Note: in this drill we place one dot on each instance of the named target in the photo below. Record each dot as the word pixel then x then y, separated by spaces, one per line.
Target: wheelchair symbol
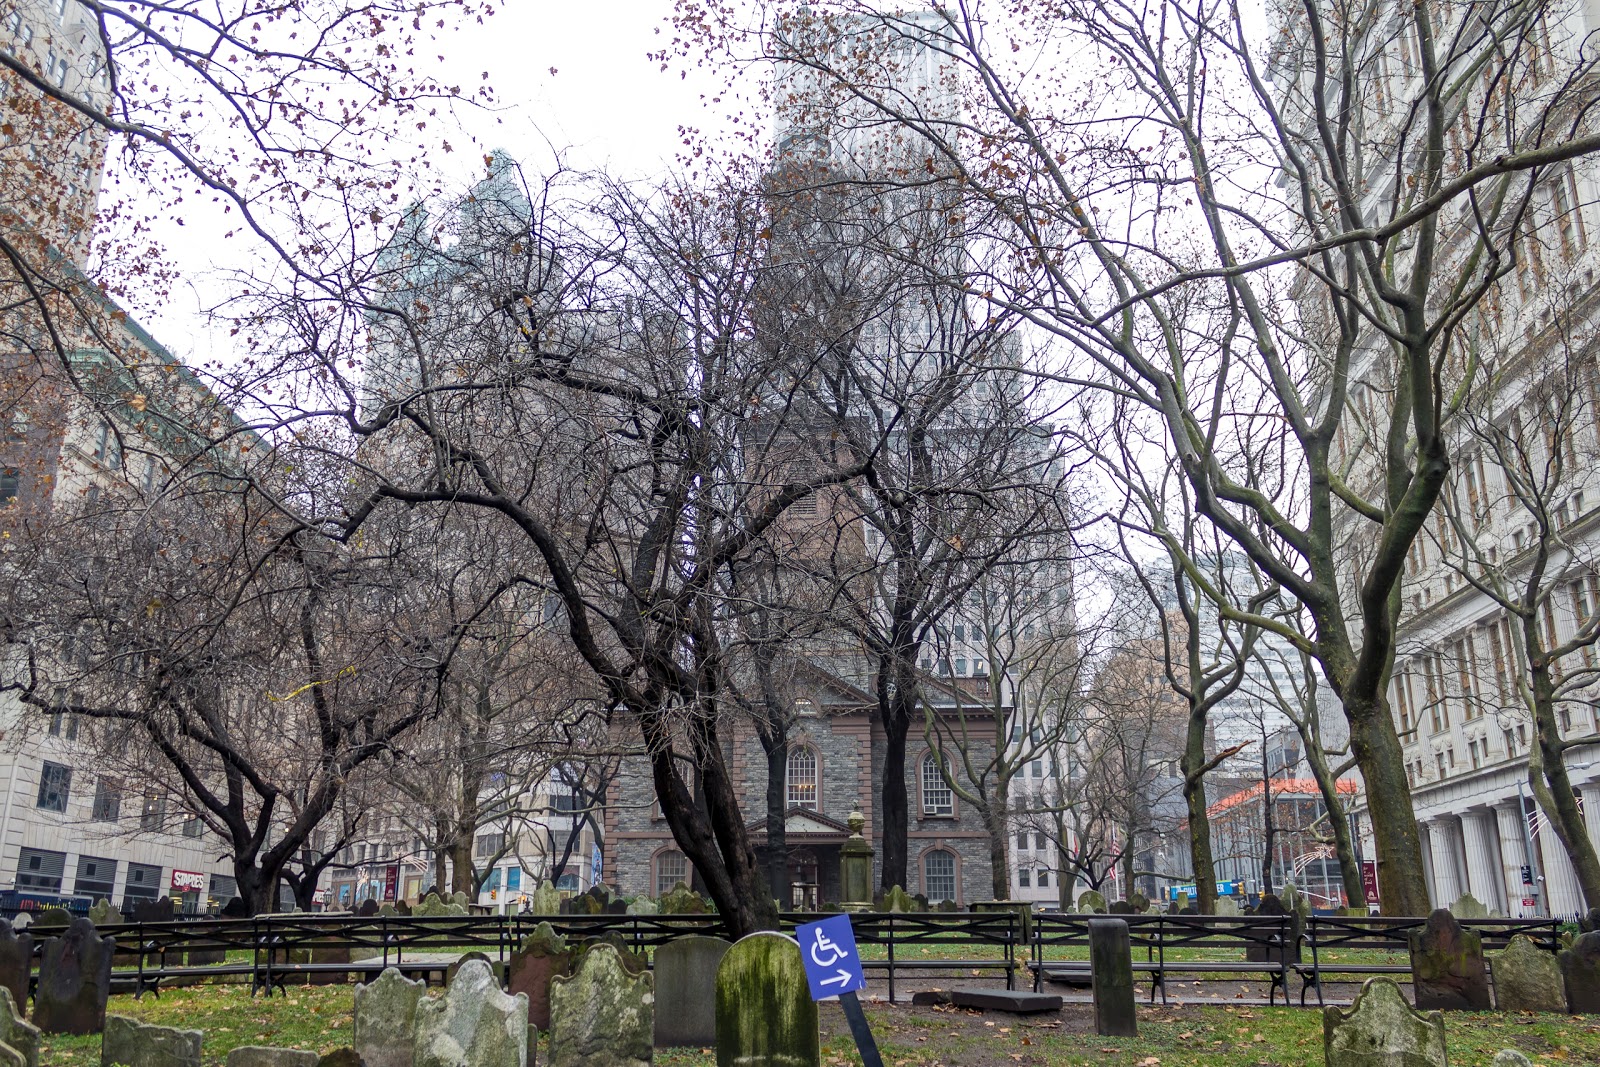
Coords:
pixel 835 954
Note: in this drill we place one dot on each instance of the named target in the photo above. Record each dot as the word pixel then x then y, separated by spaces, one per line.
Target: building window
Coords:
pixel 55 785
pixel 153 812
pixel 1022 879
pixel 939 875
pixel 144 881
pixel 17 426
pixel 107 800
pixel 40 871
pixel 489 844
pixel 192 826
pixel 97 877
pixel 802 778
pixel 10 479
pixel 937 798
pixel 805 708
pixel 672 867
pixel 1044 879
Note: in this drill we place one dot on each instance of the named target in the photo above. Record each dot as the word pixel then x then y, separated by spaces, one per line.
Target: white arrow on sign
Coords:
pixel 839 979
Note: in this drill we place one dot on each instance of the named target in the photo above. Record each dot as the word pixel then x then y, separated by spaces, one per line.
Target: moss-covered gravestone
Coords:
pixel 14 1031
pixel 1527 978
pixel 1447 969
pixel 603 1015
pixel 546 900
pixel 386 1019
pixel 1468 906
pixel 1381 1030
pixel 130 1043
pixel 1580 971
pixel 897 900
pixel 765 1014
pixel 16 960
pixel 682 901
pixel 473 1024
pixel 102 913
pixel 1090 901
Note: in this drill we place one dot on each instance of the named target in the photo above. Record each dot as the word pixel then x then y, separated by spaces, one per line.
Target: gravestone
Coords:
pixel 1119 907
pixel 682 901
pixel 1510 1057
pixel 546 900
pixel 74 981
pixel 1140 902
pixel 1227 906
pixel 16 1032
pixel 387 909
pixel 1527 978
pixel 10 1057
pixel 1580 972
pixel 432 907
pixel 542 956
pixel 1263 951
pixel 368 908
pixel 103 914
pixel 16 961
pixel 616 907
pixel 634 960
pixel 130 1043
pixel 157 910
pixel 603 1015
pixel 1447 970
pixel 1111 967
pixel 259 1056
pixel 473 1025
pixel 1381 1030
pixel 47 921
pixel 765 1014
pixel 898 900
pixel 460 899
pixel 386 1019
pixel 643 906
pixel 1090 901
pixel 1468 906
pixel 454 969
pixel 342 1057
pixel 1589 921
pixel 686 991
pixel 402 907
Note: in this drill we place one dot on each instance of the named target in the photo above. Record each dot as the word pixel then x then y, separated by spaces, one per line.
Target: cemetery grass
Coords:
pixel 319 1018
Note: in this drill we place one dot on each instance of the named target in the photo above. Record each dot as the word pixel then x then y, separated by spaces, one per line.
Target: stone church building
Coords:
pixel 836 758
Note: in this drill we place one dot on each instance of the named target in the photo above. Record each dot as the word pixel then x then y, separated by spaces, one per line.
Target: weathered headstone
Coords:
pixel 1580 972
pixel 74 981
pixel 1090 901
pixel 1119 907
pixel 342 1057
pixel 1447 969
pixel 1589 921
pixel 129 1043
pixel 546 900
pixel 543 955
pixel 156 910
pixel 454 969
pixel 473 1025
pixel 633 959
pixel 1527 978
pixel 460 899
pixel 1111 968
pixel 260 1056
pixel 603 1015
pixel 10 1057
pixel 898 900
pixel 682 901
pixel 101 913
pixel 1140 902
pixel 686 991
pixel 386 1019
pixel 47 921
pixel 1468 906
pixel 16 961
pixel 765 1014
pixel 1381 1030
pixel 433 907
pixel 368 908
pixel 643 906
pixel 1227 906
pixel 17 1032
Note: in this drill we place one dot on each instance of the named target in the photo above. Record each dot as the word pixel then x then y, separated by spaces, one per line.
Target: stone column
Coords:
pixel 1483 860
pixel 1514 854
pixel 1445 885
pixel 1561 881
pixel 1425 842
pixel 1591 811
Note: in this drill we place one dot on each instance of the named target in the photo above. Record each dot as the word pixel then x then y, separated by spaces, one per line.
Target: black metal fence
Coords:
pixel 270 950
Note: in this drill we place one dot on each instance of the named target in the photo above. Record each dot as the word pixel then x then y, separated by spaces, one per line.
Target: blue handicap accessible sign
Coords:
pixel 832 964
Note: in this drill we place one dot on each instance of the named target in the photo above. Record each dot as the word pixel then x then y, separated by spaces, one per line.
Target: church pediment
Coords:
pixel 803 822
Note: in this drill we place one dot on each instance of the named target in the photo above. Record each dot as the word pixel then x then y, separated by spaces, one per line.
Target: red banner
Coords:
pixel 1369 880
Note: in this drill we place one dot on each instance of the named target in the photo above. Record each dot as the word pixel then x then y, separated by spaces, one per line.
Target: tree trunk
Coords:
pixel 777 849
pixel 999 862
pixel 892 802
pixel 255 889
pixel 1402 889
pixel 1194 798
pixel 461 861
pixel 1552 787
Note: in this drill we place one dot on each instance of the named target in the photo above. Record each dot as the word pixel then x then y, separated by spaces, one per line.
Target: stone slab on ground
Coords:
pixel 129 1043
pixel 929 998
pixel 342 1057
pixel 1016 1001
pixel 262 1056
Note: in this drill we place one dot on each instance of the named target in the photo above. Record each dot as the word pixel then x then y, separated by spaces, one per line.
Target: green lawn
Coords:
pixel 319 1018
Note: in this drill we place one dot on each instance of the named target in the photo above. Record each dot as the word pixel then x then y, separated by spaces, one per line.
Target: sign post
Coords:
pixel 833 969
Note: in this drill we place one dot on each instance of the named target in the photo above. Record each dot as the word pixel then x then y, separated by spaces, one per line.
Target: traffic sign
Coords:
pixel 833 966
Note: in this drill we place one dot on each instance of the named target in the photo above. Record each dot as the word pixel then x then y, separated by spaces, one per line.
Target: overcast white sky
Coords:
pixel 607 104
